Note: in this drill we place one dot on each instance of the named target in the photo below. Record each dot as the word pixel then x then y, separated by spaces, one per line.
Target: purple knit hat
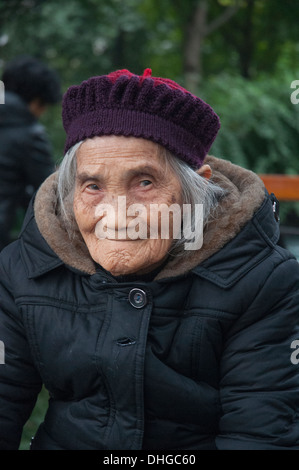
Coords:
pixel 157 109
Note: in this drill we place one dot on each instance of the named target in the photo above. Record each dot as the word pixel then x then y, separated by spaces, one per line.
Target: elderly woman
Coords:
pixel 147 341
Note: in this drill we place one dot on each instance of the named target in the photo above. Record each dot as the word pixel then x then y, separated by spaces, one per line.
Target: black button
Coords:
pixel 137 298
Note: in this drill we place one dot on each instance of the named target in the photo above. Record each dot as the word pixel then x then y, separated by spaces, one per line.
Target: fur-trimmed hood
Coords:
pixel 245 193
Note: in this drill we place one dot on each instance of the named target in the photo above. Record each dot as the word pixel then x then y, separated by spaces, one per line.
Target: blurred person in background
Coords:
pixel 25 154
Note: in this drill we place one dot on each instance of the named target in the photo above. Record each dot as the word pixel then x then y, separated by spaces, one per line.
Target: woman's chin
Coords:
pixel 124 257
pixel 120 257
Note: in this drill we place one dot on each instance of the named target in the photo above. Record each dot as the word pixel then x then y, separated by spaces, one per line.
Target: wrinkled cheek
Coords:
pixel 95 248
pixel 85 218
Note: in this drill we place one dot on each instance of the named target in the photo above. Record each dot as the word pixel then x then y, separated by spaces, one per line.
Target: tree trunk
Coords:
pixel 118 52
pixel 197 29
pixel 192 51
pixel 246 51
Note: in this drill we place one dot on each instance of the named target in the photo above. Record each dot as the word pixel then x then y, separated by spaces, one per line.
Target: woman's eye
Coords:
pixel 93 187
pixel 145 183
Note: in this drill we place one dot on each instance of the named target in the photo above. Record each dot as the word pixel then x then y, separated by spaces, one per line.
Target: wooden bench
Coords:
pixel 285 187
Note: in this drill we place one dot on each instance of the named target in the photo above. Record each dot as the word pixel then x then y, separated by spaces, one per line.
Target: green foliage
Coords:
pixel 259 126
pixel 259 123
pixel 52 121
pixel 35 420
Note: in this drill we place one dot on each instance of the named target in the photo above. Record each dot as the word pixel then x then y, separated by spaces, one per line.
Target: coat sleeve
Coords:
pixel 19 381
pixel 39 162
pixel 260 369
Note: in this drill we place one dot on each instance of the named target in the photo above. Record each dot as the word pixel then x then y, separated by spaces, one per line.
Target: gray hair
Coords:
pixel 195 190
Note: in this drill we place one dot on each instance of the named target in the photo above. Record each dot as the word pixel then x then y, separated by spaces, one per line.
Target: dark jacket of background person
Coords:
pixel 25 160
pixel 183 369
pixel 25 151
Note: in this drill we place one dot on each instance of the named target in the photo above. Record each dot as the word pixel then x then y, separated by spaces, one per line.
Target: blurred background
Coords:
pixel 239 56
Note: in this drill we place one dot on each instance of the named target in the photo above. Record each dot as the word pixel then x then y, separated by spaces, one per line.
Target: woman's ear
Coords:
pixel 205 171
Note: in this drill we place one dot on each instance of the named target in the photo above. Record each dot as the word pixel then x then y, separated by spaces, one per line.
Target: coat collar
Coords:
pixel 36 254
pixel 243 228
pixel 251 245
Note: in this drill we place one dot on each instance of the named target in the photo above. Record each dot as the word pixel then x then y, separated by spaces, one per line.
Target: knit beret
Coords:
pixel 157 109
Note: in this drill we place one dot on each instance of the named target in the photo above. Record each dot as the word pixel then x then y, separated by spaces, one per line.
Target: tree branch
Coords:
pixel 223 18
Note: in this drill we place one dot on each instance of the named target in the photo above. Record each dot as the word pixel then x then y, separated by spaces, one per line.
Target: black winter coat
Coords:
pixel 25 160
pixel 201 357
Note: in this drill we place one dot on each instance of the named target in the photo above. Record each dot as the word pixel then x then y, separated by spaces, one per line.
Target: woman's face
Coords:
pixel 114 173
